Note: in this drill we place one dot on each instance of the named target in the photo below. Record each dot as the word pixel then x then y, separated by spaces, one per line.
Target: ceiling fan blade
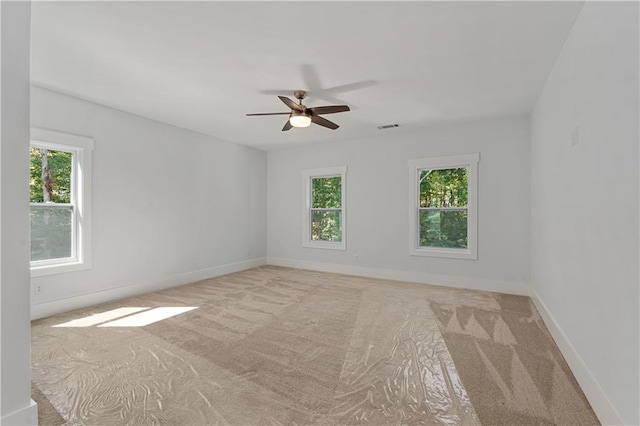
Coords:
pixel 287 126
pixel 331 109
pixel 269 113
pixel 324 122
pixel 288 102
pixel 349 87
pixel 311 77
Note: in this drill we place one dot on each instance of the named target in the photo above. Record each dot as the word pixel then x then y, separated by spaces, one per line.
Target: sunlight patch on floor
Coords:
pixel 123 317
pixel 149 317
pixel 101 317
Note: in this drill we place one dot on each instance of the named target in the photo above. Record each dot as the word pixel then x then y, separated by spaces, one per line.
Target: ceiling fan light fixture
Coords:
pixel 300 120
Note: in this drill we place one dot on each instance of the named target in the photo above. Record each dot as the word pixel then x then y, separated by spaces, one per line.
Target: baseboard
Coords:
pixel 27 416
pixel 604 409
pixel 53 307
pixel 499 286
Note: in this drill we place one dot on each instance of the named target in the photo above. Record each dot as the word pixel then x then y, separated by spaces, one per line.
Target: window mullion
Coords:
pixel 444 209
pixel 52 205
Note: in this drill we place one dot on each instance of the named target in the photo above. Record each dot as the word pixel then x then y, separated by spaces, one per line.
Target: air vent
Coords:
pixel 388 126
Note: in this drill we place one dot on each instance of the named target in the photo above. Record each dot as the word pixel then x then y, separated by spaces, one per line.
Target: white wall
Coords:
pixel 584 224
pixel 17 407
pixel 170 206
pixel 378 205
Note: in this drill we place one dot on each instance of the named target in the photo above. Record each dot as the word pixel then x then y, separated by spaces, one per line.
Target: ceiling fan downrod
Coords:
pixel 300 95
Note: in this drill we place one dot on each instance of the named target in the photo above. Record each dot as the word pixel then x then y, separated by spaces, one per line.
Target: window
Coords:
pixel 443 206
pixel 59 193
pixel 324 208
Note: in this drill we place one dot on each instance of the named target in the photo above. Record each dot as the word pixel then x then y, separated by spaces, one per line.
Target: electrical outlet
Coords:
pixel 37 289
pixel 575 136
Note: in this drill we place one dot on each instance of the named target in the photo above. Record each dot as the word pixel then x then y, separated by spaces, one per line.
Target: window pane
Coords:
pixel 443 229
pixel 50 233
pixel 326 192
pixel 444 188
pixel 326 225
pixel 50 175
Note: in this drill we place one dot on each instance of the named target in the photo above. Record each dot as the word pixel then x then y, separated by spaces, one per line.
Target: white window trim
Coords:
pixel 449 162
pixel 306 221
pixel 82 148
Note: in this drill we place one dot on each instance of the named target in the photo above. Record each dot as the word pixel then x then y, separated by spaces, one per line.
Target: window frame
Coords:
pixel 81 148
pixel 469 161
pixel 307 176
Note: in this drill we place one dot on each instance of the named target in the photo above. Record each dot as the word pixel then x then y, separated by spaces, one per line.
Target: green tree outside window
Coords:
pixel 51 216
pixel 326 209
pixel 443 204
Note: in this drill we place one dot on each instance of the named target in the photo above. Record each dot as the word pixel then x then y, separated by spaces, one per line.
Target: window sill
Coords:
pixel 324 245
pixel 444 252
pixel 60 268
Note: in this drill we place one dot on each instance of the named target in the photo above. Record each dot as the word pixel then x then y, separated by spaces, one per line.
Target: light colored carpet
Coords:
pixel 283 346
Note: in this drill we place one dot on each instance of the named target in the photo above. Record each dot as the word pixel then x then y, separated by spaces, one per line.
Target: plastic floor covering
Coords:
pixel 272 346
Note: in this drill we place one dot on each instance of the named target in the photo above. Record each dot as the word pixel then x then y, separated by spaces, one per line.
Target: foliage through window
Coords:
pixel 59 180
pixel 324 211
pixel 52 206
pixel 443 206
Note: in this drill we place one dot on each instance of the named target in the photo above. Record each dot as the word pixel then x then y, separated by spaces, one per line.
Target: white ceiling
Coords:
pixel 204 65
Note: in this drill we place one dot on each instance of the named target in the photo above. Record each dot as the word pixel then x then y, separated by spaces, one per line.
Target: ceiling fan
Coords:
pixel 301 116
